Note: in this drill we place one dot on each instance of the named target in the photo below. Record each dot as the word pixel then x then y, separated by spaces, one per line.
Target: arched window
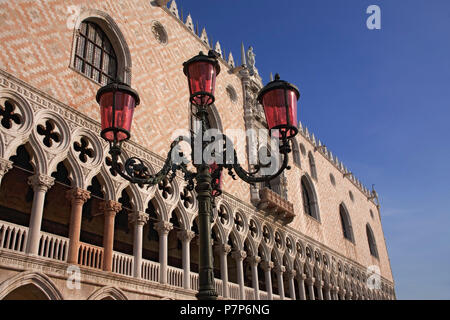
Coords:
pixel 94 54
pixel 296 152
pixel 346 223
pixel 310 204
pixel 371 240
pixel 312 166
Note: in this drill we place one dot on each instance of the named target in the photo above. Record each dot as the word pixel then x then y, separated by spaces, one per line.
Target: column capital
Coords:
pixel 301 276
pixel 5 166
pixel 41 182
pixel 267 265
pixel 163 227
pixel 279 269
pixel 310 281
pixel 254 260
pixel 186 235
pixel 223 248
pixel 78 194
pixel 239 255
pixel 138 217
pixel 110 207
pixel 291 274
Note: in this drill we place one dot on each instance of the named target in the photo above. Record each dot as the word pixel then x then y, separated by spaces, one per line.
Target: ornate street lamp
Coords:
pixel 117 102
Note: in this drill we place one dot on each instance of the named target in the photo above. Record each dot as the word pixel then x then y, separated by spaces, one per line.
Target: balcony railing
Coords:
pixel 53 247
pixel 122 263
pixel 13 237
pixel 90 256
pixel 150 270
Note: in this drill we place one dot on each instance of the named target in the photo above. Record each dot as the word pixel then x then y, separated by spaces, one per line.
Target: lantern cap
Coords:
pixel 118 86
pixel 277 84
pixel 211 58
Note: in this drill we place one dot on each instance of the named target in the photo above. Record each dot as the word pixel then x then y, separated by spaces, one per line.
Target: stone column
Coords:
pixel 291 276
pixel 342 294
pixel 40 184
pixel 163 228
pixel 310 284
pixel 239 256
pixel 224 250
pixel 186 236
pixel 334 293
pixel 327 290
pixel 138 219
pixel 5 166
pixel 349 295
pixel 319 286
pixel 77 198
pixel 254 260
pixel 279 270
pixel 110 208
pixel 267 267
pixel 301 286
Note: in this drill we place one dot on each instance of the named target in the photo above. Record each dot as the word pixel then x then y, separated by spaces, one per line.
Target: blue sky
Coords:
pixel 379 99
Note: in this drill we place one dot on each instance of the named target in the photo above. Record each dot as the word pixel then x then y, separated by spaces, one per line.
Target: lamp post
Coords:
pixel 117 103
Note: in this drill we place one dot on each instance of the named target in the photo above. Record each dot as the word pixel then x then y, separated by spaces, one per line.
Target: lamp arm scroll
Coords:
pixel 135 170
pixel 250 177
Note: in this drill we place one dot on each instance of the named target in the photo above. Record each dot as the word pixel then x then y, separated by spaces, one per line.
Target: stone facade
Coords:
pixel 305 257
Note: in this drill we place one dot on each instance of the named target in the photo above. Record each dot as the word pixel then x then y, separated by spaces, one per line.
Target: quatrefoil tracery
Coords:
pixel 83 149
pixel 49 133
pixel 9 116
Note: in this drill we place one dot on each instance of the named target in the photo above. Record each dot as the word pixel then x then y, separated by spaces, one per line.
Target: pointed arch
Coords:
pixel 372 243
pixel 108 293
pixel 346 223
pixel 42 282
pixel 309 197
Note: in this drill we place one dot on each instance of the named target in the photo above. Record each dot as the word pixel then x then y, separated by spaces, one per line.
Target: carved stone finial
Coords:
pixel 218 49
pixel 189 23
pixel 204 37
pixel 41 182
pixel 243 57
pixel 231 60
pixel 174 9
pixel 138 217
pixel 163 227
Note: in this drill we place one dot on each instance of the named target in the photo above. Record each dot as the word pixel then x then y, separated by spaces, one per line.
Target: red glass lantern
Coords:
pixel 218 181
pixel 279 99
pixel 117 102
pixel 201 72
